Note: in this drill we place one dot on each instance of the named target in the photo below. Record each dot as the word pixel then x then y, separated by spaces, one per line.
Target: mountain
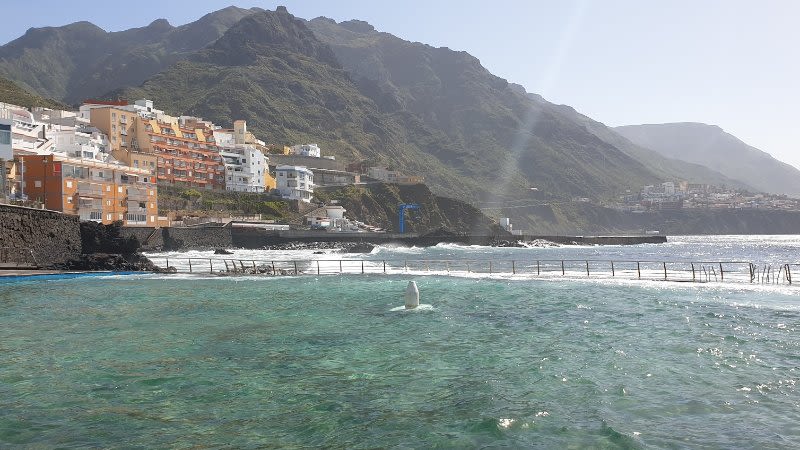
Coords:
pixel 452 91
pixel 81 60
pixel 360 93
pixel 712 147
pixel 11 93
pixel 444 115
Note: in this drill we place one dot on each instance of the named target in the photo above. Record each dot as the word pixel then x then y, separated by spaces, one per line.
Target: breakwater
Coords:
pixel 152 239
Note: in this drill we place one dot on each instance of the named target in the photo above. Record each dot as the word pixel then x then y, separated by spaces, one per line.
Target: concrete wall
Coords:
pixel 55 238
pixel 196 238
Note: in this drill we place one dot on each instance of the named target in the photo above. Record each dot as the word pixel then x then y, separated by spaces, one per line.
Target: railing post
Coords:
pixel 490 267
pixel 612 269
pixel 190 265
pixel 384 266
pixel 317 267
pixel 721 274
pixel 295 267
pixel 254 266
pixel 340 266
pixel 468 271
pixel 562 268
pixel 639 269
pixel 405 266
pixel 167 262
pixel 587 268
pixel 788 274
pixel 362 267
pixel 537 267
pixel 513 267
pixel 210 266
pixel 273 267
pixel 693 274
pixel 447 266
pixel 665 270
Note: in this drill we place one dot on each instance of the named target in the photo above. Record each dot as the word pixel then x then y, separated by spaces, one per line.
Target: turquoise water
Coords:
pixel 324 361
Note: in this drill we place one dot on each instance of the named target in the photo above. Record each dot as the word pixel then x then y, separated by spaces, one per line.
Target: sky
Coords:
pixel 730 63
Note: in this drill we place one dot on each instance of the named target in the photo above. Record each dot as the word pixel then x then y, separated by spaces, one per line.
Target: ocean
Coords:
pixel 488 360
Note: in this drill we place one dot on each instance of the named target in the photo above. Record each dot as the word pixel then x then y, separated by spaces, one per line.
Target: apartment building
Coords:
pixel 6 157
pixel 186 152
pixel 92 189
pixel 295 183
pixel 181 151
pixel 244 168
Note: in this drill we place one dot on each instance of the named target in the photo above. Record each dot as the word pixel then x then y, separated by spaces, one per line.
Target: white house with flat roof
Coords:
pixel 295 182
pixel 307 150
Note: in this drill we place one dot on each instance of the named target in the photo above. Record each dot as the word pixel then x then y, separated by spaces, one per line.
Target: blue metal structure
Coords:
pixel 402 214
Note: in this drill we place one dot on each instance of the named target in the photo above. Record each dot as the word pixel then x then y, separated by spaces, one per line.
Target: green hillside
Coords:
pixel 468 132
pixel 11 93
pixel 81 60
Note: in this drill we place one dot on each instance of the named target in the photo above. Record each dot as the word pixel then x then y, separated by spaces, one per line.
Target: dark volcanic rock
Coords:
pixel 222 251
pixel 114 262
pixel 359 247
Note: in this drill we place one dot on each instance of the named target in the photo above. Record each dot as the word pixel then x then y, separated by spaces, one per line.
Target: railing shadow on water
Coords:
pixel 675 271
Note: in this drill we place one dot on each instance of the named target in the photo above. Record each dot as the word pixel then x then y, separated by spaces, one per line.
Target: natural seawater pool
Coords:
pixel 147 361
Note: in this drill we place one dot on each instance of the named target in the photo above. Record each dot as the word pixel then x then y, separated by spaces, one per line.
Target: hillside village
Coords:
pixel 686 195
pixel 105 162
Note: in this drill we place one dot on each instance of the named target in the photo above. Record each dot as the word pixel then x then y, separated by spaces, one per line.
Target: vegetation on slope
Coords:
pixel 81 60
pixel 11 93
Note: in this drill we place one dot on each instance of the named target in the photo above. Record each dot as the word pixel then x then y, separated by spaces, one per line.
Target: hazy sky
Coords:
pixel 732 63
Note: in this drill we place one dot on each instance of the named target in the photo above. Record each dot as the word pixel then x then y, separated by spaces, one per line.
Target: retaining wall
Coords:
pixel 55 238
pixel 194 238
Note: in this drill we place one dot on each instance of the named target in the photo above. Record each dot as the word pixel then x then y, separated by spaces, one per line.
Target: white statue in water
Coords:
pixel 412 295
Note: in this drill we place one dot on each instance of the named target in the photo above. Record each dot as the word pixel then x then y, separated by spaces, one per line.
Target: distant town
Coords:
pixel 686 195
pixel 105 161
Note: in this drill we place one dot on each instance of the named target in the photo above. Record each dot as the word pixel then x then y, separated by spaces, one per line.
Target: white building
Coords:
pixel 6 150
pixel 669 188
pixel 306 150
pixel 295 182
pixel 83 143
pixel 244 168
pixel 27 135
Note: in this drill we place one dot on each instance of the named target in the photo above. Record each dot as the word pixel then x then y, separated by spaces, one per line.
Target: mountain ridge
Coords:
pixel 366 94
pixel 719 150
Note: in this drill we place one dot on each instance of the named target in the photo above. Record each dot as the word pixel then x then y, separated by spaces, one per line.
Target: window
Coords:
pixel 69 199
pixel 69 184
pixel 37 183
pixel 108 188
pixel 5 136
pixel 108 217
pixel 119 189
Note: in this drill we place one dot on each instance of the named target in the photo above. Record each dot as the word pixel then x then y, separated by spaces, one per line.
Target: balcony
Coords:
pixel 89 190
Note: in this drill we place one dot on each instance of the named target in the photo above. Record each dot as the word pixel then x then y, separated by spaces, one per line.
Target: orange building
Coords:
pixel 187 154
pixel 93 190
pixel 180 152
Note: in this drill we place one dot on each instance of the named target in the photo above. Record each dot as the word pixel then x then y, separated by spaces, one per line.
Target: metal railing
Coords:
pixel 17 257
pixel 676 271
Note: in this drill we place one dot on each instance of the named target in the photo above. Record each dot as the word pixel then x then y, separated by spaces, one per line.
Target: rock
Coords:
pixel 359 247
pixel 111 262
pixel 222 251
